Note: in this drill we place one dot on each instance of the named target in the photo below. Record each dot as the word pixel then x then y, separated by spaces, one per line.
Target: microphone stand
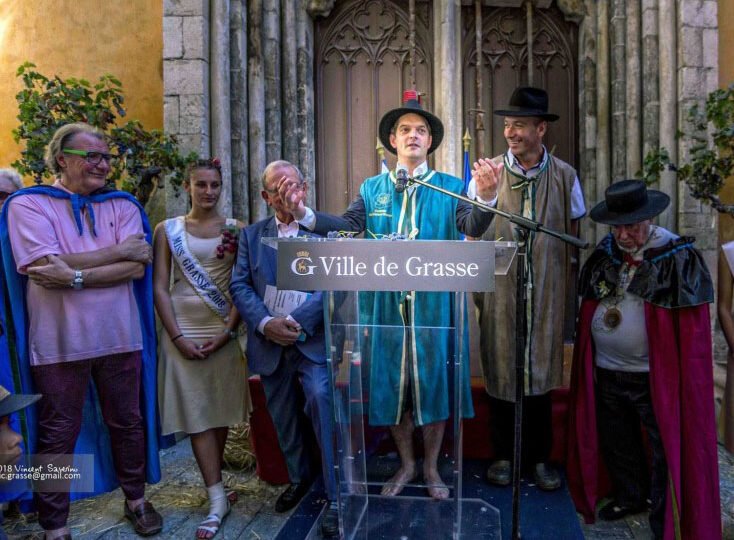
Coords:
pixel 526 226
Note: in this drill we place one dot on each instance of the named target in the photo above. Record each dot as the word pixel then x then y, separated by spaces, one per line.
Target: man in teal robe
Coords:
pixel 412 338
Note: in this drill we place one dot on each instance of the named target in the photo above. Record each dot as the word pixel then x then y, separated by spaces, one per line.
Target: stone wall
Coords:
pixel 237 89
pixel 643 64
pixel 186 103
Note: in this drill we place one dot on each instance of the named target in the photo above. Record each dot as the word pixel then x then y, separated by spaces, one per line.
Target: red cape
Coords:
pixel 681 385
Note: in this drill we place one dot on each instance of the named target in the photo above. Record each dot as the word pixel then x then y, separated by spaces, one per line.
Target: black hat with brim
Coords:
pixel 528 101
pixel 411 106
pixel 627 202
pixel 9 403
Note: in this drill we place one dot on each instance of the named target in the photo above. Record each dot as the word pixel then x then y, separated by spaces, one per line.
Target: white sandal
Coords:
pixel 213 529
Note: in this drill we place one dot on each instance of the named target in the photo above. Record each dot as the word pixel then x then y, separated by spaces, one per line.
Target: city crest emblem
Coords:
pixel 300 264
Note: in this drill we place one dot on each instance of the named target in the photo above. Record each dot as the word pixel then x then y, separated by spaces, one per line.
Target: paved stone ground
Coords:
pixel 183 504
pixel 181 500
pixel 636 526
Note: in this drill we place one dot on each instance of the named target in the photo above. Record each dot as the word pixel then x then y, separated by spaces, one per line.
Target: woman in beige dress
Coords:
pixel 202 372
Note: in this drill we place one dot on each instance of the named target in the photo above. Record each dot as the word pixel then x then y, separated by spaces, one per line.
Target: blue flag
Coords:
pixel 467 171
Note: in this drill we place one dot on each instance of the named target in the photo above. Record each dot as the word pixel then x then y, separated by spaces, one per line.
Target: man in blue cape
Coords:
pixel 76 265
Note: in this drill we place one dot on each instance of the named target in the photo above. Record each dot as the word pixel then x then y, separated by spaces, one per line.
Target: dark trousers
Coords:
pixel 64 387
pixel 537 428
pixel 288 412
pixel 623 402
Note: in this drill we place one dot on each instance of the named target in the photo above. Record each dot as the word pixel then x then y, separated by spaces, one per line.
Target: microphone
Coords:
pixel 401 174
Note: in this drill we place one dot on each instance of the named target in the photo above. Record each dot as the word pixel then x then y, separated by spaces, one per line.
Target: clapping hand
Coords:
pixel 486 175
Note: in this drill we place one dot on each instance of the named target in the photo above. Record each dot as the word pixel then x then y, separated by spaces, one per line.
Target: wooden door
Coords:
pixel 362 66
pixel 504 67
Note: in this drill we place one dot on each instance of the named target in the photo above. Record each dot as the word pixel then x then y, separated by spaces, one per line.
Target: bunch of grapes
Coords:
pixel 229 241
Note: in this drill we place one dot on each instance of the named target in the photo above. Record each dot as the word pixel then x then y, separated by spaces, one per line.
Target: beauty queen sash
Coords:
pixel 192 270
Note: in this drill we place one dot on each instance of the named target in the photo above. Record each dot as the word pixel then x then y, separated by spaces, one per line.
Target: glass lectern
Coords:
pixel 382 367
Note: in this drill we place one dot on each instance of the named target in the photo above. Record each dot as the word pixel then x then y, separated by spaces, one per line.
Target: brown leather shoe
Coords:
pixel 146 521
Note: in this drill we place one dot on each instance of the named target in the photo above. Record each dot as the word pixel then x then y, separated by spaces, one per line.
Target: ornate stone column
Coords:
pixel 447 83
pixel 221 143
pixel 668 105
pixel 238 108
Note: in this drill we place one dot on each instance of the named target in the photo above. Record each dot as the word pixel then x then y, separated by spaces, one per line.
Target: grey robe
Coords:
pixel 551 264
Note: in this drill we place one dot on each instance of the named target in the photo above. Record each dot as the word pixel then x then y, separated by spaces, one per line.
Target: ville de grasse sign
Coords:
pixel 384 265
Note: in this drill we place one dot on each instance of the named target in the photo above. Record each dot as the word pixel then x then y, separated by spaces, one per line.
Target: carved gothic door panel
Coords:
pixel 362 66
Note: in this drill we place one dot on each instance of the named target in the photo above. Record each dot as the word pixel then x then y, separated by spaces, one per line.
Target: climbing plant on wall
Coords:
pixel 711 162
pixel 47 103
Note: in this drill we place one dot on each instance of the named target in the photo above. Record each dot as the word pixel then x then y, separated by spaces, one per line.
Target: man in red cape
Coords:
pixel 642 265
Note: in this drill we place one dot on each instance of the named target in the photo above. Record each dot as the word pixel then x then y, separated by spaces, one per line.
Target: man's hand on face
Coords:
pixel 55 274
pixel 282 331
pixel 293 195
pixel 486 175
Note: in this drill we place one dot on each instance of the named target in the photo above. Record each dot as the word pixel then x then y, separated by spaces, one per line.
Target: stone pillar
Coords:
pixel 271 64
pixel 668 109
pixel 305 110
pixel 650 90
pixel 221 144
pixel 289 80
pixel 588 114
pixel 447 83
pixel 256 106
pixel 603 170
pixel 186 83
pixel 238 110
pixel 634 90
pixel 618 66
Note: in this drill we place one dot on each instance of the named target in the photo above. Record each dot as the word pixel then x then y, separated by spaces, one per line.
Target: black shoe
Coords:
pixel 546 477
pixel 330 522
pixel 499 473
pixel 612 511
pixel 291 496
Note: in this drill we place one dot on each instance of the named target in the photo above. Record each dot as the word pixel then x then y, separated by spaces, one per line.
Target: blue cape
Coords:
pixel 15 372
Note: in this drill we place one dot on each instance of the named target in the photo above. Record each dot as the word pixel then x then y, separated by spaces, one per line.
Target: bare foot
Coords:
pixel 396 484
pixel 436 487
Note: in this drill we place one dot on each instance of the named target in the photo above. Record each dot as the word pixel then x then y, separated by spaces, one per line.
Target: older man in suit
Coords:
pixel 286 350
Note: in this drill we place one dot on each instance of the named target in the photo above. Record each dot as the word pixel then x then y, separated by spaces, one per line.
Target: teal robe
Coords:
pixel 413 341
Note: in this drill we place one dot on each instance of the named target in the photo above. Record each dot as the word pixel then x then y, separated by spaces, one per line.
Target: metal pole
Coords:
pixel 520 339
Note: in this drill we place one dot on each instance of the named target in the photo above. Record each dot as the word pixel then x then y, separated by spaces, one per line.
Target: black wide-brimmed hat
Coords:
pixel 528 101
pixel 9 403
pixel 627 202
pixel 411 104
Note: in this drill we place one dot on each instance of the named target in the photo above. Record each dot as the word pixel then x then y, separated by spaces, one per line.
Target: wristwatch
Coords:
pixel 233 334
pixel 78 281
